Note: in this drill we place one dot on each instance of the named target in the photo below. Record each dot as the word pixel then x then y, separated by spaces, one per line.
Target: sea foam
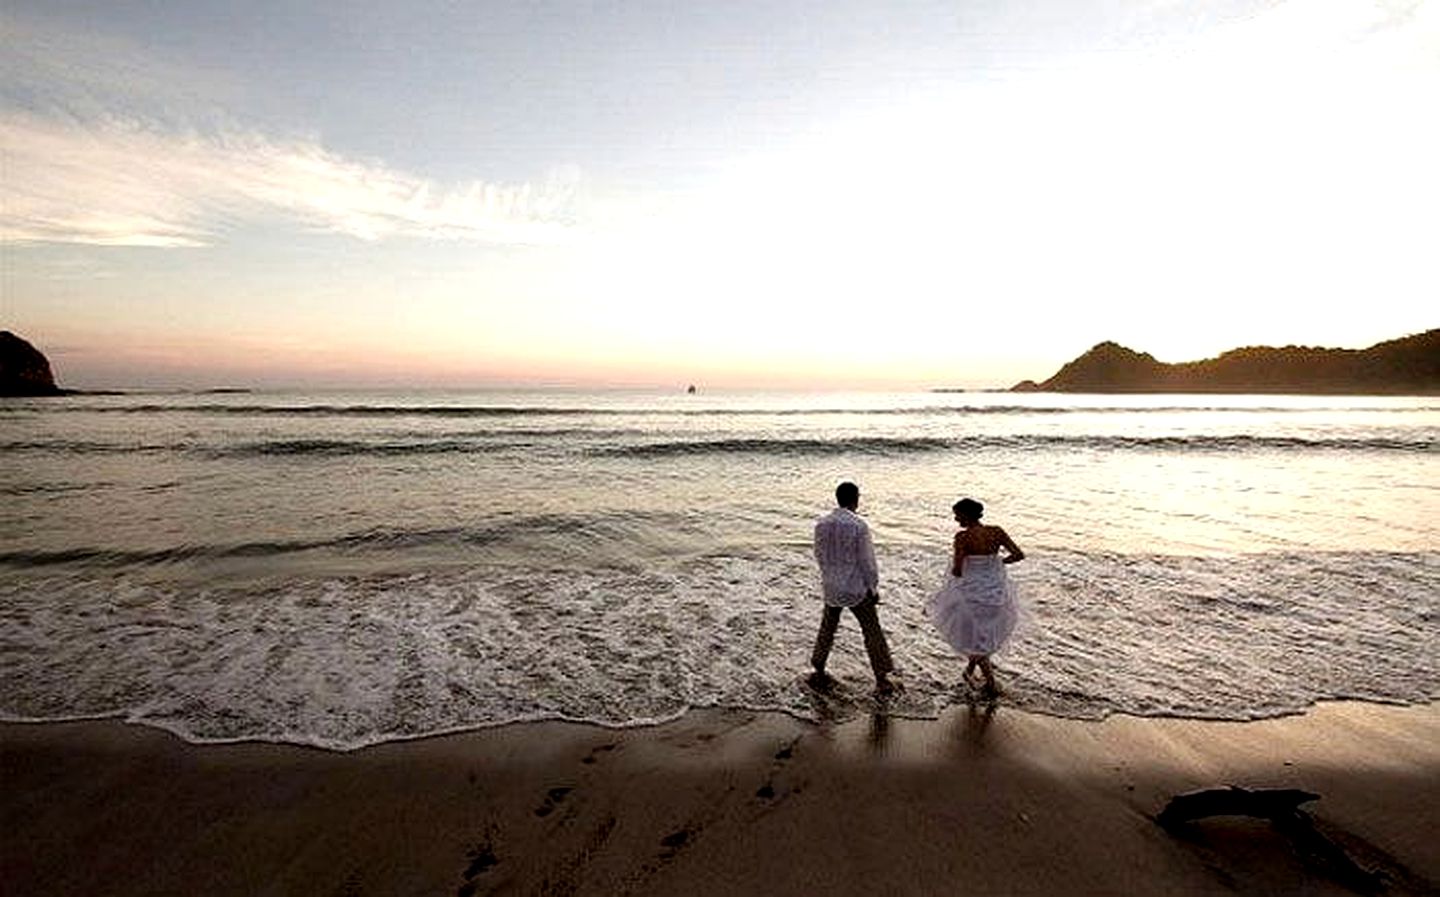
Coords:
pixel 350 661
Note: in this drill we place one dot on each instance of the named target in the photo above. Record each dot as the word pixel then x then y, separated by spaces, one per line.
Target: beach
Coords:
pixel 984 800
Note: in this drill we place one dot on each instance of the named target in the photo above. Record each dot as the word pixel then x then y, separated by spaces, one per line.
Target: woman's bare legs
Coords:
pixel 983 662
pixel 989 671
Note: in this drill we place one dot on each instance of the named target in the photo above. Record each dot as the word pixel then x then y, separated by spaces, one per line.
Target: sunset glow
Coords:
pixel 795 197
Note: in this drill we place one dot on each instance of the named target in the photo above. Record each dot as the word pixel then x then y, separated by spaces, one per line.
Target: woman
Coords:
pixel 976 610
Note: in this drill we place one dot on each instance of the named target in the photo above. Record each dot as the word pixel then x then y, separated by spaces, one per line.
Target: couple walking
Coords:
pixel 975 611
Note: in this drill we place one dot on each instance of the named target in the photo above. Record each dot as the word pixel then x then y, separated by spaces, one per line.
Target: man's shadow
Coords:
pixel 972 730
pixel 833 704
pixel 878 735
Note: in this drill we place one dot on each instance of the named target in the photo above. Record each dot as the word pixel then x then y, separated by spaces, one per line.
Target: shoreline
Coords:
pixel 824 721
pixel 722 802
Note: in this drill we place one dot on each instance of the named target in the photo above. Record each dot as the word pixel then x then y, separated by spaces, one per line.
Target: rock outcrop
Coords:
pixel 1410 365
pixel 24 370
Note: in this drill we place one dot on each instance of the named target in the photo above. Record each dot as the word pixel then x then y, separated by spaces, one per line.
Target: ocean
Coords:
pixel 342 569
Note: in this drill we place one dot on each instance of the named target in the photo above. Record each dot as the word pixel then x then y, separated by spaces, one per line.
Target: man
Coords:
pixel 849 577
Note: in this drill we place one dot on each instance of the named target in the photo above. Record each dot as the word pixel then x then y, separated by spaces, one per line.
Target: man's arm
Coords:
pixel 868 568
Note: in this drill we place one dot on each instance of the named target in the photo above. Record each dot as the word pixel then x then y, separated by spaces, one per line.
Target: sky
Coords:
pixel 782 194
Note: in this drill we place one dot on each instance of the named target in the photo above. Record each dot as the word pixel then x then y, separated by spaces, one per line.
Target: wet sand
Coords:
pixel 722 802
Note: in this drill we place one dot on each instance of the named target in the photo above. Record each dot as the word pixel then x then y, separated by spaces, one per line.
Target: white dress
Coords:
pixel 976 612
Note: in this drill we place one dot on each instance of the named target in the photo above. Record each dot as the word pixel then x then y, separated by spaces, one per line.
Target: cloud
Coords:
pixel 124 183
pixel 91 73
pixel 104 142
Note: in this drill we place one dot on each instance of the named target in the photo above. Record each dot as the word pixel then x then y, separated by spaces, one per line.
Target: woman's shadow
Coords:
pixel 974 724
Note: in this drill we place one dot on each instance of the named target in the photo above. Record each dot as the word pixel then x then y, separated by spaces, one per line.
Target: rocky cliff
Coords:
pixel 1410 365
pixel 24 370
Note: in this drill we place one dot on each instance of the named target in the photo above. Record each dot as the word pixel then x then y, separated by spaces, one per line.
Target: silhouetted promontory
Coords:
pixel 1406 366
pixel 24 369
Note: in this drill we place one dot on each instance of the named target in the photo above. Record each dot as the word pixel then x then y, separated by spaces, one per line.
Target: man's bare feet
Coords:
pixel 887 686
pixel 820 680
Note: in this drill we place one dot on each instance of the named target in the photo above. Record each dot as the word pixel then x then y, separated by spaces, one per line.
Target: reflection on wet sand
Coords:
pixel 879 732
pixel 974 723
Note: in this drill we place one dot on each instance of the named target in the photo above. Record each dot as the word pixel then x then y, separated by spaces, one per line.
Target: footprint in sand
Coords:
pixel 594 755
pixel 553 797
pixel 767 791
pixel 482 858
pixel 676 841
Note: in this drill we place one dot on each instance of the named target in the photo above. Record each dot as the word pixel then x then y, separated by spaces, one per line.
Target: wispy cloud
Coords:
pixel 124 183
pixel 105 142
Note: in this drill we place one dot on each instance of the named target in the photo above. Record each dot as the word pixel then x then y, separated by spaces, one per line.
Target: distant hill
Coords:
pixel 24 369
pixel 1410 365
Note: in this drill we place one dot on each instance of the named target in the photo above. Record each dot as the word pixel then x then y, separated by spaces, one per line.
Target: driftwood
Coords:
pixel 1265 803
pixel 1281 806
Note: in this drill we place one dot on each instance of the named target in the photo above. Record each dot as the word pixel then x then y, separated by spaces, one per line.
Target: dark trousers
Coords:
pixel 875 644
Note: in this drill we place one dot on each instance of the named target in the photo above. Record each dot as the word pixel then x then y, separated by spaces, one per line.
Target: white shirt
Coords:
pixel 846 557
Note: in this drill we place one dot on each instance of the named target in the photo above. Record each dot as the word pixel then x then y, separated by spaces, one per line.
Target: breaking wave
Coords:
pixel 343 662
pixel 577 439
pixel 886 445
